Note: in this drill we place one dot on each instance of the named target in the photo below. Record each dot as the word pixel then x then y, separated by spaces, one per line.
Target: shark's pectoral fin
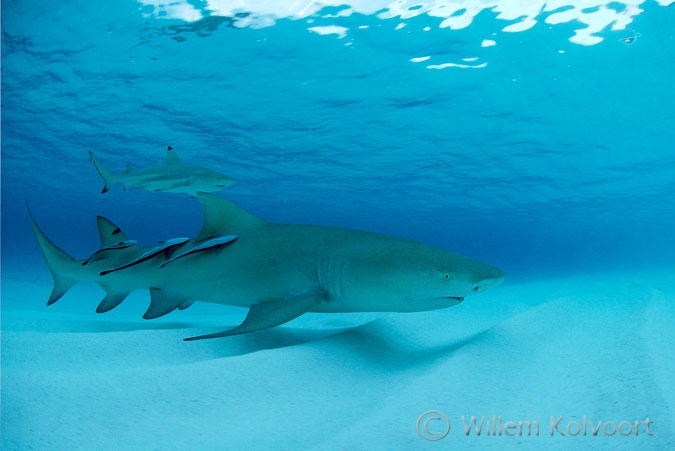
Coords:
pixel 270 314
pixel 111 300
pixel 163 302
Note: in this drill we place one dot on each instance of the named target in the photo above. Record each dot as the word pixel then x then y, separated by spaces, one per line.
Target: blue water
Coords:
pixel 542 156
pixel 539 160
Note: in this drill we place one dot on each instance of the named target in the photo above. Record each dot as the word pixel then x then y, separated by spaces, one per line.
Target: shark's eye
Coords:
pixel 446 276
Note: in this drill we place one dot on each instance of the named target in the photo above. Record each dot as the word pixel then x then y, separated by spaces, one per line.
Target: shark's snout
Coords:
pixel 494 278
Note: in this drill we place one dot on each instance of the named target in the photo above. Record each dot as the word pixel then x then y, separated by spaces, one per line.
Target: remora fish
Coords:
pixel 173 176
pixel 165 248
pixel 118 245
pixel 280 271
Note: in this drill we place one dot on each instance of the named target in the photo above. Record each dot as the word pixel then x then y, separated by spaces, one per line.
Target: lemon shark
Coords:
pixel 278 271
pixel 173 176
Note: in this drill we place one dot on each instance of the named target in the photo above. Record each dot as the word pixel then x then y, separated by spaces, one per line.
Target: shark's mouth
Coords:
pixel 456 298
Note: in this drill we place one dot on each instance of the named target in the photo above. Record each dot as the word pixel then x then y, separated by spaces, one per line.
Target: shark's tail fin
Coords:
pixel 61 265
pixel 109 177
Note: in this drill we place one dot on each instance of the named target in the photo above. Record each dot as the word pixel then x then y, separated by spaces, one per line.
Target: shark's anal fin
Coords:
pixel 270 314
pixel 215 244
pixel 163 302
pixel 111 300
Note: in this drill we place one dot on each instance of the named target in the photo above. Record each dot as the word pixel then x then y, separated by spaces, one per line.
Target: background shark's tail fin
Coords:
pixel 60 264
pixel 109 177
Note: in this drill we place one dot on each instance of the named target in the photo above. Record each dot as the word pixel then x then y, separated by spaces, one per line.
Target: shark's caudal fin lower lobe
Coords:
pixel 109 177
pixel 60 264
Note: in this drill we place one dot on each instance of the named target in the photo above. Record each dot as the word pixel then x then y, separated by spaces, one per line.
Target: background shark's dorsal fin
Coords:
pixel 171 157
pixel 109 232
pixel 127 169
pixel 223 217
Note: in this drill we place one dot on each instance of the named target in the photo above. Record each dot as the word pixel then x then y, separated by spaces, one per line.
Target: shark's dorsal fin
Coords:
pixel 109 232
pixel 223 217
pixel 128 169
pixel 171 157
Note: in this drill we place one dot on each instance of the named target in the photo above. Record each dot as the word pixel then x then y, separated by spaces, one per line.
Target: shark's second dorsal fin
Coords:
pixel 223 217
pixel 171 157
pixel 109 232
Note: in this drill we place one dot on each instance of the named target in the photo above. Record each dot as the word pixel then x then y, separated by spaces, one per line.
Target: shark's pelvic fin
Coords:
pixel 185 304
pixel 171 157
pixel 111 300
pixel 163 302
pixel 222 217
pixel 60 264
pixel 270 314
pixel 214 244
pixel 109 177
pixel 165 248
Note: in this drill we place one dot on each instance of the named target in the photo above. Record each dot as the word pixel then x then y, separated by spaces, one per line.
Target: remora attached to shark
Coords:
pixel 278 271
pixel 173 176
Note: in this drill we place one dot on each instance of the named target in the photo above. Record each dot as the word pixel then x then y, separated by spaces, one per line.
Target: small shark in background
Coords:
pixel 278 271
pixel 173 176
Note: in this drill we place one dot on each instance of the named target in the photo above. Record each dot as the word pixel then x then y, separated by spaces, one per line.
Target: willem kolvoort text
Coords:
pixel 558 426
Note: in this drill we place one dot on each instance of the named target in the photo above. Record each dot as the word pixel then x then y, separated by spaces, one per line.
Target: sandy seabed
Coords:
pixel 596 350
